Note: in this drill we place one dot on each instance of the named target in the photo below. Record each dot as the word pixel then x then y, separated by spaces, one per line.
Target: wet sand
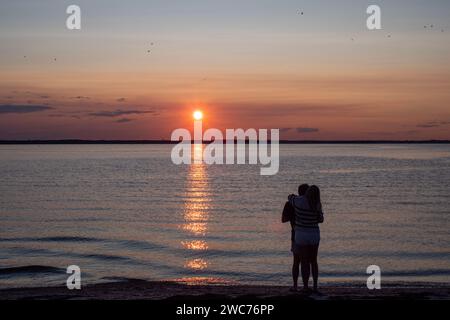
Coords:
pixel 147 290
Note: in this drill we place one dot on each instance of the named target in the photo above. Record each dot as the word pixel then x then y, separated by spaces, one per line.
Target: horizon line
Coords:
pixel 162 141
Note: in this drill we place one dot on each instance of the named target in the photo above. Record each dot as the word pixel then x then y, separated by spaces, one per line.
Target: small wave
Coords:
pixel 30 269
pixel 120 279
pixel 137 244
pixel 51 239
pixel 408 273
pixel 258 276
pixel 393 273
pixel 125 243
pixel 69 239
pixel 104 257
pixel 388 254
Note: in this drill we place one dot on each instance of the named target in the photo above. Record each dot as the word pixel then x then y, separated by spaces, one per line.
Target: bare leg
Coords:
pixel 305 266
pixel 295 270
pixel 305 273
pixel 314 265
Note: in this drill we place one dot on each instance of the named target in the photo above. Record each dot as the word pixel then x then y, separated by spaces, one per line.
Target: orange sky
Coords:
pixel 321 77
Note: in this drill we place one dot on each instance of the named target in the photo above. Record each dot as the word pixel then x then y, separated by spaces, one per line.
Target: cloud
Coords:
pixel 123 120
pixel 433 124
pixel 391 133
pixel 306 130
pixel 121 100
pixel 27 95
pixel 37 95
pixel 9 108
pixel 81 98
pixel 118 113
pixel 427 125
pixel 300 130
pixel 294 109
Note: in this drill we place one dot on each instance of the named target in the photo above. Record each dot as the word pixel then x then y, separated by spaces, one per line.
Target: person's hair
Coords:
pixel 302 189
pixel 313 196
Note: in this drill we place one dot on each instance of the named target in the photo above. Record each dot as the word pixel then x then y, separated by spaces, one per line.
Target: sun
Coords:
pixel 198 115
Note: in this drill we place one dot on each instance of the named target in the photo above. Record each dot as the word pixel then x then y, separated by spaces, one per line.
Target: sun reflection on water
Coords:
pixel 195 245
pixel 196 211
pixel 197 264
pixel 203 280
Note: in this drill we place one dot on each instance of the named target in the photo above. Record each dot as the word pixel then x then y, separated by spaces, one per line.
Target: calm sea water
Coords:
pixel 125 211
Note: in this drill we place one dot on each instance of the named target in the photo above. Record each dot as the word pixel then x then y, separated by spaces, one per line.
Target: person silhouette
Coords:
pixel 289 215
pixel 308 215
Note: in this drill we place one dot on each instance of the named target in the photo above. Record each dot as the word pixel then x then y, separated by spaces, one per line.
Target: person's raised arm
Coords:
pixel 287 213
pixel 291 198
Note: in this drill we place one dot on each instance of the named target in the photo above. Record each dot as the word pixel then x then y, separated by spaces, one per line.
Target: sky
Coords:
pixel 138 69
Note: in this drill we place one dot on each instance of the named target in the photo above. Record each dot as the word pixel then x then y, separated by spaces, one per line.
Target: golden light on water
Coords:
pixel 195 245
pixel 199 173
pixel 197 264
pixel 202 281
pixel 196 212
pixel 198 229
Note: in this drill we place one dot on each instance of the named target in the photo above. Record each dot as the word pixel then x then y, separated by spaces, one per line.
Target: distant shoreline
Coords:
pixel 76 141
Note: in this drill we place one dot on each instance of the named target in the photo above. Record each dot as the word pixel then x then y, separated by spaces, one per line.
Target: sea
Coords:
pixel 125 211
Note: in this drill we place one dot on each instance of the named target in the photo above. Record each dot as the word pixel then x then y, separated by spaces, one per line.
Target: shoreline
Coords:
pixel 176 291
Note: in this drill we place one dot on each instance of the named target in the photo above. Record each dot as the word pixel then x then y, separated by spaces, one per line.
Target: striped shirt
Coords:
pixel 304 216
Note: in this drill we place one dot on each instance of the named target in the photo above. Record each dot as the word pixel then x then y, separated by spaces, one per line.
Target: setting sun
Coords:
pixel 198 115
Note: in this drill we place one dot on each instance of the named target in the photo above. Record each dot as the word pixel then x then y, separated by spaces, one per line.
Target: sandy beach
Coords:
pixel 147 290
